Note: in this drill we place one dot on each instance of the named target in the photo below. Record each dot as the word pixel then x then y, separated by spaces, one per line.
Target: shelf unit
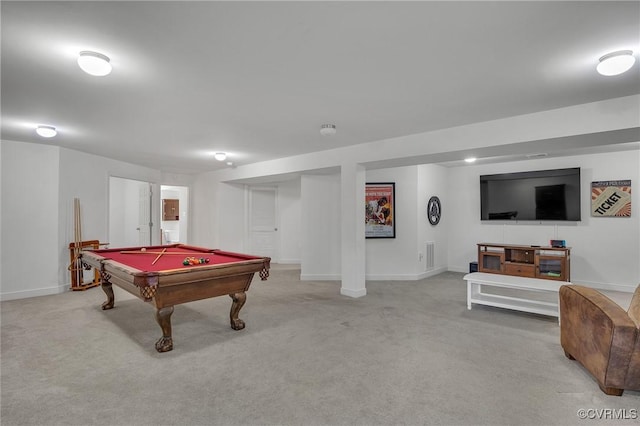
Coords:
pixel 77 268
pixel 551 263
pixel 170 209
pixel 477 281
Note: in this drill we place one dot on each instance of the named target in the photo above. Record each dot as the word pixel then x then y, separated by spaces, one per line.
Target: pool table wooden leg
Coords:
pixel 163 316
pixel 108 290
pixel 238 303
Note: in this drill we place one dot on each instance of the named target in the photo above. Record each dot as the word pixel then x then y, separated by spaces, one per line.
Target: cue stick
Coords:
pixel 79 246
pixel 156 259
pixel 164 253
pixel 78 239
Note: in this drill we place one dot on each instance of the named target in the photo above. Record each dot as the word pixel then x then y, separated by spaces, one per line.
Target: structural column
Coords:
pixel 352 187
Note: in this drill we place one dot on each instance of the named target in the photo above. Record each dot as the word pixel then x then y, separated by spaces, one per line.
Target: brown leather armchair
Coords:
pixel 600 335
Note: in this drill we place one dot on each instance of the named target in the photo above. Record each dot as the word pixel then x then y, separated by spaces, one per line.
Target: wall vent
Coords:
pixel 430 251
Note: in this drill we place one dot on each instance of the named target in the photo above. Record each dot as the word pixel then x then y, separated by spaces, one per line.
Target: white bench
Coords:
pixel 476 280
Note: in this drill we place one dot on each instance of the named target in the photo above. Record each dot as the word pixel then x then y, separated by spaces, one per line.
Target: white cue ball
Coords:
pixel 143 249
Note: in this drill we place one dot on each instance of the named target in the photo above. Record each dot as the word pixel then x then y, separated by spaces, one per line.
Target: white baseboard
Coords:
pixel 353 293
pixel 375 277
pixel 406 277
pixel 392 277
pixel 432 273
pixel 24 294
pixel 320 277
pixel 287 261
pixel 455 269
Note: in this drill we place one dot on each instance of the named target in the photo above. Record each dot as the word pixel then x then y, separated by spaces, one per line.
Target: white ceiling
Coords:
pixel 258 79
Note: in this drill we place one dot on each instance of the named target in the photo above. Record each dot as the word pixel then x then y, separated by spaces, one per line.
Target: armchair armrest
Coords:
pixel 598 333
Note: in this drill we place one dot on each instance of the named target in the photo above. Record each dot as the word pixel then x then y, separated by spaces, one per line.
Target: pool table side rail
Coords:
pixel 196 285
pixel 194 288
pixel 205 289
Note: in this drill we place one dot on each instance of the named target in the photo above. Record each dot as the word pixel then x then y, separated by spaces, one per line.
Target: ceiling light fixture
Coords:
pixel 220 156
pixel 46 131
pixel 328 129
pixel 470 160
pixel 94 63
pixel 616 63
pixel 537 155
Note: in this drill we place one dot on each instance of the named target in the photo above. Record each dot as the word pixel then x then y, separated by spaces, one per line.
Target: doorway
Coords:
pixel 174 224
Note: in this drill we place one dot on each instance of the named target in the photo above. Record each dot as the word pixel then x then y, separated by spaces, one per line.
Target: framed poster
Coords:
pixel 611 198
pixel 380 210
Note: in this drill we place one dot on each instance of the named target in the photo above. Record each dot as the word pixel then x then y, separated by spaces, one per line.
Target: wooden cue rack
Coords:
pixel 76 267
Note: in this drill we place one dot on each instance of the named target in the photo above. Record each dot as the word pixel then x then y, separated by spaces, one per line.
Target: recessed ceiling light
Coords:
pixel 94 63
pixel 470 159
pixel 537 155
pixel 46 131
pixel 328 129
pixel 616 63
pixel 220 156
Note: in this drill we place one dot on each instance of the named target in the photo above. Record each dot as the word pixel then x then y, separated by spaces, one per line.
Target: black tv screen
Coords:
pixel 537 195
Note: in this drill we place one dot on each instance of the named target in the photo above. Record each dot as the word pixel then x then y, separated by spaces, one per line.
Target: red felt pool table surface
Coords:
pixel 157 275
pixel 169 258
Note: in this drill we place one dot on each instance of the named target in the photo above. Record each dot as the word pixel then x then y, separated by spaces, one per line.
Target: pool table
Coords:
pixel 158 275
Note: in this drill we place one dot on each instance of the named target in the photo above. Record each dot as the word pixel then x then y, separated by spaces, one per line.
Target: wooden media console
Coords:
pixel 544 262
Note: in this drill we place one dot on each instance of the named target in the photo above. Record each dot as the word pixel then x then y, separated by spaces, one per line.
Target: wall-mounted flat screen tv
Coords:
pixel 552 195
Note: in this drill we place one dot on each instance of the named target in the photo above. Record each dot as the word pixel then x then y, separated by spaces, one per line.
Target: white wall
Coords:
pixel 433 181
pixel 231 210
pixel 223 207
pixel 605 251
pixel 86 177
pixel 386 258
pixel 39 185
pixel 320 254
pixel 1 209
pixel 205 195
pixel 611 121
pixel 31 243
pixel 396 258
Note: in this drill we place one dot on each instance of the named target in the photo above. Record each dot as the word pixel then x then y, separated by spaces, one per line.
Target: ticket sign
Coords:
pixel 611 198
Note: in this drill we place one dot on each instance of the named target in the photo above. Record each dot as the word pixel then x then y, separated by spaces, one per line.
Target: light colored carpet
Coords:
pixel 407 353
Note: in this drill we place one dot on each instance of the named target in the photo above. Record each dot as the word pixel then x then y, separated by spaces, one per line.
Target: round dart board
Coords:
pixel 434 210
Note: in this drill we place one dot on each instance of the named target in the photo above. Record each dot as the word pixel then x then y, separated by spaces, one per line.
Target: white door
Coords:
pixel 130 212
pixel 145 224
pixel 263 228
